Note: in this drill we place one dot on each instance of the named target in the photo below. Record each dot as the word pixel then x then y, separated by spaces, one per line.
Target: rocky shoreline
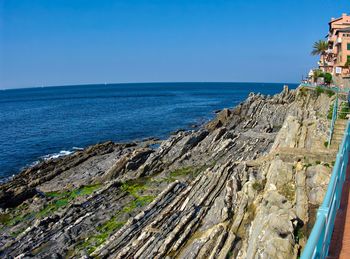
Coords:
pixel 245 185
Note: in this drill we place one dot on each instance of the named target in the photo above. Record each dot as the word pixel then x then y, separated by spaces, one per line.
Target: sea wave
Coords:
pixel 59 154
pixel 43 158
pixel 77 148
pixel 6 179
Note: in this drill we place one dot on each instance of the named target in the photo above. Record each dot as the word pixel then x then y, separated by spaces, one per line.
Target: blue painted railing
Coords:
pixel 318 242
pixel 343 90
pixel 334 118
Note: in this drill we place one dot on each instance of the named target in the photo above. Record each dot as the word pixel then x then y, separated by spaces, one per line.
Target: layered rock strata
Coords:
pixel 245 185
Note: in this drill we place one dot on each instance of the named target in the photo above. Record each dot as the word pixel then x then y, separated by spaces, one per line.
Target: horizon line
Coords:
pixel 155 82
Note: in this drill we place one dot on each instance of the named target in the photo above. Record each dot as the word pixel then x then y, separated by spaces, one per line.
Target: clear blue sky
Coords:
pixel 57 42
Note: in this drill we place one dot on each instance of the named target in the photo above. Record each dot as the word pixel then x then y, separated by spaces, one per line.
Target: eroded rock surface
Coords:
pixel 246 185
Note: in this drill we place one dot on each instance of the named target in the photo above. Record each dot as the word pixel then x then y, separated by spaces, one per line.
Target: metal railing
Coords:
pixel 317 245
pixel 342 90
pixel 334 118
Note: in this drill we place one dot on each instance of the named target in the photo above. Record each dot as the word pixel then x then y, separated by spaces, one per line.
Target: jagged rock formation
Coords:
pixel 246 185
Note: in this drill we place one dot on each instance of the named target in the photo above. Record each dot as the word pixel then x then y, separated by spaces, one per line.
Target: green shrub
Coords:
pixel 344 111
pixel 328 78
pixel 329 92
pixel 330 112
pixel 318 73
pixel 319 90
pixel 303 91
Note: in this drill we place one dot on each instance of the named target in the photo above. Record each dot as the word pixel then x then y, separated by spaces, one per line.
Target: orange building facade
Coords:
pixel 337 58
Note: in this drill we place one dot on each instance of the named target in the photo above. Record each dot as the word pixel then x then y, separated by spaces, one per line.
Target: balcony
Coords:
pixel 330 51
pixel 325 64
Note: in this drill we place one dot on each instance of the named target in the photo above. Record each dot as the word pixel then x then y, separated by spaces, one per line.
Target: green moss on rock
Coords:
pixel 288 191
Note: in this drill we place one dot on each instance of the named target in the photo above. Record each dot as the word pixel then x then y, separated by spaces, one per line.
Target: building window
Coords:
pixel 348 46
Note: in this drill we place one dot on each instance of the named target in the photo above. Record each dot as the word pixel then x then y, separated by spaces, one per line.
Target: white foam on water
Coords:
pixel 57 155
pixel 45 158
pixel 78 148
pixel 6 179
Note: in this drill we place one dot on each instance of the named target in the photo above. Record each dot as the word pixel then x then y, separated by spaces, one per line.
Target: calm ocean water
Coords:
pixel 54 120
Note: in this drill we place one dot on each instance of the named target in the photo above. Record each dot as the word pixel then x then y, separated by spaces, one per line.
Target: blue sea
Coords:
pixel 36 123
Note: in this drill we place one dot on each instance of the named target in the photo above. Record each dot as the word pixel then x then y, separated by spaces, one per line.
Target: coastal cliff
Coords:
pixel 245 185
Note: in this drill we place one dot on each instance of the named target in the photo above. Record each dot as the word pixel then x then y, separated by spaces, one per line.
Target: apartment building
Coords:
pixel 336 60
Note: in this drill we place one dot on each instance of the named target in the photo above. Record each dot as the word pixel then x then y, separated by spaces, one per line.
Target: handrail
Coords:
pixel 333 87
pixel 318 242
pixel 334 117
